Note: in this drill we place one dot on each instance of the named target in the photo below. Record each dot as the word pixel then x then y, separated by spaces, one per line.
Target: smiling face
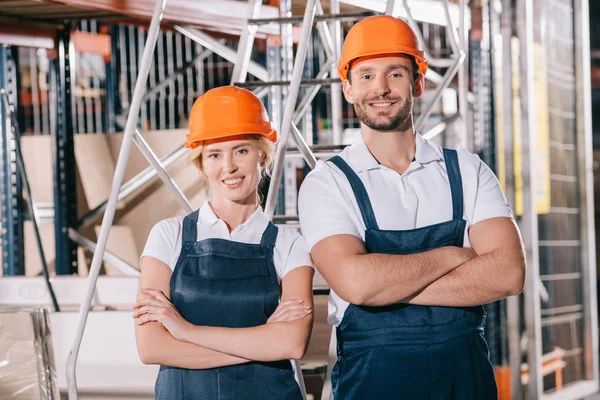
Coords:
pixel 233 168
pixel 382 90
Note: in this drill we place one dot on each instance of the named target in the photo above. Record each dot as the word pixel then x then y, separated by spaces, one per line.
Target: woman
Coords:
pixel 225 296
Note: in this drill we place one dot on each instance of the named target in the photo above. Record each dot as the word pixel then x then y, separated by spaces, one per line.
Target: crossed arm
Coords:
pixel 449 276
pixel 177 343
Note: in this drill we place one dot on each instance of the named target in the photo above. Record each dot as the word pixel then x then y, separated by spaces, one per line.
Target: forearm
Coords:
pixel 481 280
pixel 384 279
pixel 157 346
pixel 270 342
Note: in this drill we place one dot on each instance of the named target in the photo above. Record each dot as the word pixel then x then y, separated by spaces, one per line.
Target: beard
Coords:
pixel 382 121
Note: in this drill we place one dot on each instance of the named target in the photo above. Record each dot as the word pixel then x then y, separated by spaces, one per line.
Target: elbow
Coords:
pixel 147 357
pixel 297 341
pixel 516 282
pixel 354 293
pixel 298 347
pixel 355 289
pixel 147 348
pixel 297 351
pixel 364 295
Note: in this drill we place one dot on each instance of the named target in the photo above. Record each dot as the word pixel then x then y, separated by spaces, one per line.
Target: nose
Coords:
pixel 382 86
pixel 230 166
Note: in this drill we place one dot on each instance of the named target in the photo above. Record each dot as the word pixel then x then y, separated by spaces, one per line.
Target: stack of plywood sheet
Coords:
pixel 27 368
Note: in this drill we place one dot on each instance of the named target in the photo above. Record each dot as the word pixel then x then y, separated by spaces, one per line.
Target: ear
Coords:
pixel 419 86
pixel 263 159
pixel 347 89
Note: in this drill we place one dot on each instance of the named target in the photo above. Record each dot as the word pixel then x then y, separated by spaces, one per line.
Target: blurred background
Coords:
pixel 515 81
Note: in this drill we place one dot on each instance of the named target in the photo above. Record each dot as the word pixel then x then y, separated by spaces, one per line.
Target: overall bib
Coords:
pixel 223 283
pixel 405 351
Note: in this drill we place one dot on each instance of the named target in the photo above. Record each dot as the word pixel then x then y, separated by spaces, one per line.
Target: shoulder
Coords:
pixel 324 178
pixel 323 170
pixel 168 226
pixel 291 251
pixel 166 232
pixel 468 158
pixel 286 238
pixel 469 163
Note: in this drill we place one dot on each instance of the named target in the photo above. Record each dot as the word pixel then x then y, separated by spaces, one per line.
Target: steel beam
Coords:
pixel 65 196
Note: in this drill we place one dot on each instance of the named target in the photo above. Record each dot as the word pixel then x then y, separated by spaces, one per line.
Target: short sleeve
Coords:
pixel 322 209
pixel 490 201
pixel 294 252
pixel 162 242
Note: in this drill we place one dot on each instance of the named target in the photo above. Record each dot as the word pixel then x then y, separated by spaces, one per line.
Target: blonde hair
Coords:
pixel 264 145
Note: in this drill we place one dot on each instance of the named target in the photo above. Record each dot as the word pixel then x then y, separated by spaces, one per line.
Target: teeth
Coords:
pixel 233 181
pixel 381 104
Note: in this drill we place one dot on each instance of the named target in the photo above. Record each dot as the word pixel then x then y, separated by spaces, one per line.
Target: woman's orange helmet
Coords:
pixel 228 111
pixel 380 35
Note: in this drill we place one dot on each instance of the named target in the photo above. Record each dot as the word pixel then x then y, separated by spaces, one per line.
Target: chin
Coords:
pixel 240 198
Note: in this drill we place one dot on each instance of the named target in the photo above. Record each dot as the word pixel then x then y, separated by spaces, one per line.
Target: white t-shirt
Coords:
pixel 164 241
pixel 419 197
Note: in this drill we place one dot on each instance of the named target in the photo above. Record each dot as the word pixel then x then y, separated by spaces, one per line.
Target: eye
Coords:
pixel 366 76
pixel 213 155
pixel 242 151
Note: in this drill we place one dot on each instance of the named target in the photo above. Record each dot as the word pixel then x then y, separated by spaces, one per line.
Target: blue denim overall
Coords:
pixel 219 282
pixel 405 351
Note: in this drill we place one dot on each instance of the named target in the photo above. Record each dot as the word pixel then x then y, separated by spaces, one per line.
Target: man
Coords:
pixel 413 239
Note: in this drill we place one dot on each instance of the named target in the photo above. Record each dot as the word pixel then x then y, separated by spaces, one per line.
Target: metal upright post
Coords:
pixel 586 191
pixel 463 72
pixel 529 221
pixel 336 88
pixel 110 84
pixel 22 174
pixel 132 118
pixel 505 151
pixel 11 232
pixel 65 200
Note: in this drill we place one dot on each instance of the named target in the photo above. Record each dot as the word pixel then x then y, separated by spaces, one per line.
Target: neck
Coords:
pixel 234 213
pixel 395 149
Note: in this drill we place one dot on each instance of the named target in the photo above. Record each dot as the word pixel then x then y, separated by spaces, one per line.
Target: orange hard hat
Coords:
pixel 228 111
pixel 380 35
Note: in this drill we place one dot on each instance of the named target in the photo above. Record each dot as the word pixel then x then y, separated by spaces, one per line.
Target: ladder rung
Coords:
pixel 304 82
pixel 314 368
pixel 319 151
pixel 297 19
pixel 322 147
pixel 278 219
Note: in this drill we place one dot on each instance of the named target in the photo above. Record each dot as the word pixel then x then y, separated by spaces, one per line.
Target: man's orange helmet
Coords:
pixel 228 111
pixel 380 35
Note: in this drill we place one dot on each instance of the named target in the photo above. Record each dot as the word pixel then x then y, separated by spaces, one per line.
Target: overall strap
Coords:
pixel 269 236
pixel 190 231
pixel 360 192
pixel 453 170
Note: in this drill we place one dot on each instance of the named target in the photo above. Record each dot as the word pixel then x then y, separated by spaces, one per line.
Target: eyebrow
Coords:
pixel 390 68
pixel 217 150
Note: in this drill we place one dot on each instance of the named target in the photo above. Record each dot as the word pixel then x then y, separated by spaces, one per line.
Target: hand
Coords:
pixel 159 308
pixel 290 310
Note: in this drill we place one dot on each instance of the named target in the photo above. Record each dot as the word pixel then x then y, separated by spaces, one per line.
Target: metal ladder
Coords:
pixel 291 117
